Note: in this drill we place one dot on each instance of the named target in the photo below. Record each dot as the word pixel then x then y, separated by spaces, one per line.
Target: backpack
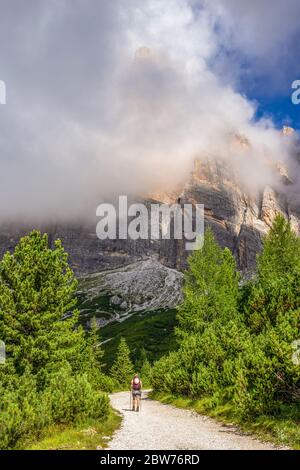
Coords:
pixel 136 383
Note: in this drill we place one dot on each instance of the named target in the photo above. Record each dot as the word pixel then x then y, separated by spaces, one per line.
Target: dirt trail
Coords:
pixel 164 427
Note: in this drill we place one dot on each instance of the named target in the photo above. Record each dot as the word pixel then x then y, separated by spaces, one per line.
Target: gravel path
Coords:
pixel 164 427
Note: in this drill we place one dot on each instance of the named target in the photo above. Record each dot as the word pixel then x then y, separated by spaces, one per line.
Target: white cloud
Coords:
pixel 89 116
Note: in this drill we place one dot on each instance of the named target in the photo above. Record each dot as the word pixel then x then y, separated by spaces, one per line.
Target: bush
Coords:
pixel 168 375
pixel 23 412
pixel 72 398
pixel 107 384
pixel 236 342
pixel 266 375
pixel 53 370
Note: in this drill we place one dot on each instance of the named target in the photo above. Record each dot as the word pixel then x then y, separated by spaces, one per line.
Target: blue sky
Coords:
pixel 275 103
pixel 263 46
pixel 282 110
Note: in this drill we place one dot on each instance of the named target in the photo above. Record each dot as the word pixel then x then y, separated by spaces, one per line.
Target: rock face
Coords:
pixel 141 286
pixel 237 219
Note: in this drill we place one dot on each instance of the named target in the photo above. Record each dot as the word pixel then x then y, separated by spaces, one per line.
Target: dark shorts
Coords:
pixel 136 393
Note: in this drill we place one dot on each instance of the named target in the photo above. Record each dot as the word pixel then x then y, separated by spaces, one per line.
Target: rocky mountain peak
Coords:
pixel 238 219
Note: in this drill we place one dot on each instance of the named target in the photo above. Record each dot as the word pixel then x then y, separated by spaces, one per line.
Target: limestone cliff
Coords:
pixel 239 220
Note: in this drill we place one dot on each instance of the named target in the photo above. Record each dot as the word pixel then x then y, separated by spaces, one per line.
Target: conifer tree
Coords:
pixel 210 330
pixel 122 369
pixel 210 287
pixel 224 354
pixel 145 373
pixel 277 288
pixel 93 341
pixel 50 373
pixel 143 366
pixel 37 305
pixel 142 357
pixel 92 355
pixel 273 315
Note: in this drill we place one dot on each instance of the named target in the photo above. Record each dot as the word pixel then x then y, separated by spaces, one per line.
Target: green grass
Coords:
pixel 153 331
pixel 282 429
pixel 98 307
pixel 85 436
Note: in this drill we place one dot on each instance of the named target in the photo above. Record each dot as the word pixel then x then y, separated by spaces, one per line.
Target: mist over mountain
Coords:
pixel 106 99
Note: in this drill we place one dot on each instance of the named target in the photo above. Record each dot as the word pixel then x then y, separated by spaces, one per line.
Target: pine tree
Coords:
pixel 142 357
pixel 92 355
pixel 146 371
pixel 273 315
pixel 210 330
pixel 143 366
pixel 52 372
pixel 93 341
pixel 210 287
pixel 37 305
pixel 277 288
pixel 226 355
pixel 122 368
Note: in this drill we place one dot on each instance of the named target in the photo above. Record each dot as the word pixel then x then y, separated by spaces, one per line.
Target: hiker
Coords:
pixel 136 390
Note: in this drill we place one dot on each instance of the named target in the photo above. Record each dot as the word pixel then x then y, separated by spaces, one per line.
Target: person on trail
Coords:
pixel 136 391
